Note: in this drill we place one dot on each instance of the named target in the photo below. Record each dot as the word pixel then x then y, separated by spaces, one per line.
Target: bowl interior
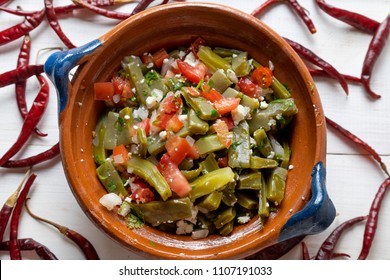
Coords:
pixel 171 26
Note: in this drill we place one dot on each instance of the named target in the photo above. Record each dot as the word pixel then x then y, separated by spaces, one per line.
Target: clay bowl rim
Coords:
pixel 135 240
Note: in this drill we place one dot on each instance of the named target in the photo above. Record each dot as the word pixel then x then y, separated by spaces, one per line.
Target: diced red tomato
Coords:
pixel 171 104
pixel 172 174
pixel 122 87
pixel 262 76
pixel 174 124
pixel 141 192
pixel 193 152
pixel 226 105
pixel 223 161
pixel 103 91
pixel 145 124
pixel 177 148
pixel 212 94
pixel 120 154
pixel 247 87
pixel 142 195
pixel 147 59
pixel 193 73
pixel 159 57
pixel 162 120
pixel 192 91
pixel 222 130
pixel 229 121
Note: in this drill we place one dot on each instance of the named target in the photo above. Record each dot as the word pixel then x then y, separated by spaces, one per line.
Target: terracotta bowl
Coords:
pixel 306 208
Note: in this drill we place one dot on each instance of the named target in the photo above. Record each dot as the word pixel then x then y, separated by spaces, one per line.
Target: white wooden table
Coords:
pixel 353 177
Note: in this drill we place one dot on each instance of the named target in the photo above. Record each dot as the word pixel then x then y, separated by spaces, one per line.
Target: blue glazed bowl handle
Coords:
pixel 318 213
pixel 59 64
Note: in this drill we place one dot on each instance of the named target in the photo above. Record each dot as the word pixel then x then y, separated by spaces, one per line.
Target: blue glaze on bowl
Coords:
pixel 318 213
pixel 59 64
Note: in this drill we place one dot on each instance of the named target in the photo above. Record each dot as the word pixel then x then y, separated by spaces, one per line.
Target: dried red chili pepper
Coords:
pixel 326 250
pixel 33 160
pixel 316 60
pixel 55 25
pixel 143 4
pixel 21 29
pixel 302 13
pixel 20 86
pixel 3 1
pixel 32 119
pixel 372 221
pixel 359 142
pixel 322 73
pixel 86 246
pixel 375 48
pixel 29 244
pixel 356 20
pixel 305 251
pixel 6 210
pixel 19 74
pixel 260 9
pixel 14 249
pixel 102 11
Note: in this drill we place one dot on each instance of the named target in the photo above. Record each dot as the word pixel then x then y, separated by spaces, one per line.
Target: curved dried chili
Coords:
pixel 35 159
pixel 29 244
pixel 19 74
pixel 359 142
pixel 32 119
pixel 375 48
pixel 316 60
pixel 21 29
pixel 356 20
pixel 326 251
pixel 14 249
pixel 55 25
pixel 372 221
pixel 86 246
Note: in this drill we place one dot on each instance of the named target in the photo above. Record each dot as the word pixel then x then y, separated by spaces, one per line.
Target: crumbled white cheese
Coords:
pixel 240 113
pixel 263 104
pixel 184 227
pixel 199 234
pixel 243 219
pixel 110 200
pixel 163 135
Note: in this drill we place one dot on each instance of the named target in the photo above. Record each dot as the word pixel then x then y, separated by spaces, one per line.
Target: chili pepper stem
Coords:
pixel 60 228
pixel 11 201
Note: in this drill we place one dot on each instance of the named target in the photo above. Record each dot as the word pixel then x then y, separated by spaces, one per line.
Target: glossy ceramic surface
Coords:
pixel 306 209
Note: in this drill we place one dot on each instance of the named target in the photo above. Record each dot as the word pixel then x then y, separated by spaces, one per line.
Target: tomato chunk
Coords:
pixel 193 73
pixel 247 87
pixel 222 130
pixel 174 124
pixel 172 174
pixel 171 104
pixel 177 148
pixel 226 105
pixel 159 56
pixel 262 76
pixel 120 154
pixel 211 94
pixel 103 91
pixel 141 192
